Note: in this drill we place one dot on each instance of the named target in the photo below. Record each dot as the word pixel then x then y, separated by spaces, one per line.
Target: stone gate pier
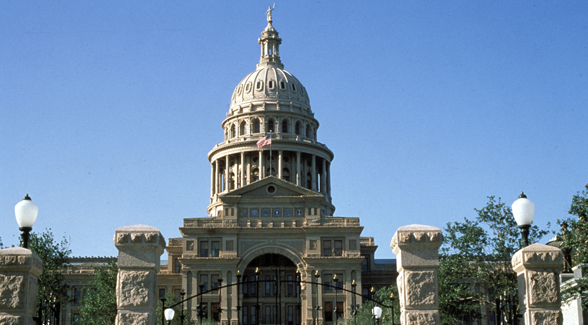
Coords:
pixel 417 258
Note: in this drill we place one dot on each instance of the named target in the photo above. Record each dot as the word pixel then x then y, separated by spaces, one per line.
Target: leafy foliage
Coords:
pixel 574 239
pixel 55 255
pixel 99 305
pixel 382 299
pixel 170 300
pixel 476 261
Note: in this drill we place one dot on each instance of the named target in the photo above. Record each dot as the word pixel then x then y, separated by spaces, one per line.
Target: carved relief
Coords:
pixel 151 237
pixel 132 318
pixel 421 288
pixel 11 320
pixel 543 287
pixel 134 288
pixel 12 291
pixel 422 318
pixel 136 237
pixel 122 238
pixel 546 317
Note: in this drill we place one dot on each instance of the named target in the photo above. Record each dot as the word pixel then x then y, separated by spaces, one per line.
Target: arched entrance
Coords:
pixel 270 292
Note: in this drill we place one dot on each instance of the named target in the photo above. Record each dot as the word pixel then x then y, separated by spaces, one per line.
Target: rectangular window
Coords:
pixel 339 309
pixel 253 315
pixel 365 264
pixel 215 248
pixel 328 311
pixel 161 293
pixel 268 284
pixel 327 282
pixel 290 315
pixel 204 281
pixel 203 249
pixel 290 286
pixel 252 285
pixel 268 318
pixel 215 309
pixel 214 282
pixel 338 248
pixel 190 245
pixel 245 286
pixel 246 315
pixel 326 248
pixel 77 296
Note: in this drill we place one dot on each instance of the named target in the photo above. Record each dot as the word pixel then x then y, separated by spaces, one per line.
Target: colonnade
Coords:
pixel 234 171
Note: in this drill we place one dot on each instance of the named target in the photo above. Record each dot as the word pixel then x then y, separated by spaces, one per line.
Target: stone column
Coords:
pixel 19 270
pixel 260 165
pixel 212 180
pixel 216 176
pixel 139 248
pixel 280 164
pixel 227 166
pixel 538 267
pixel 298 175
pixel 324 177
pixel 242 176
pixel 417 248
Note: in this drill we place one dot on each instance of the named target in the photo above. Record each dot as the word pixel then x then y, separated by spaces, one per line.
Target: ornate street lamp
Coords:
pixel 26 214
pixel 354 305
pixel 523 210
pixel 336 287
pixel 373 293
pixel 182 316
pixel 392 305
pixel 315 310
pixel 169 315
pixel 377 313
pixel 257 307
pixel 238 297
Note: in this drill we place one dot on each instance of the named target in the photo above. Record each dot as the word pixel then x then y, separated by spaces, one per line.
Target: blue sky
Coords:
pixel 109 108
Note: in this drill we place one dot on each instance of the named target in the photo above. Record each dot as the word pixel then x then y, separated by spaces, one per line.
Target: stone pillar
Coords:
pixel 298 175
pixel 260 167
pixel 139 248
pixel 227 166
pixel 216 176
pixel 19 270
pixel 324 177
pixel 538 267
pixel 242 170
pixel 280 164
pixel 211 180
pixel 417 248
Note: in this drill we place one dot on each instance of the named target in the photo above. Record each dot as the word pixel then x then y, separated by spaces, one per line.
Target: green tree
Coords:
pixel 475 264
pixel 170 300
pixel 381 299
pixel 99 305
pixel 574 239
pixel 55 256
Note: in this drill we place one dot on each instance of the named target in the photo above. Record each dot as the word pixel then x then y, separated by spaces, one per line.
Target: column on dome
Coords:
pixel 249 169
pixel 280 164
pixel 242 164
pixel 226 173
pixel 324 176
pixel 329 180
pixel 298 176
pixel 313 173
pixel 211 179
pixel 261 168
pixel 216 177
pixel 236 178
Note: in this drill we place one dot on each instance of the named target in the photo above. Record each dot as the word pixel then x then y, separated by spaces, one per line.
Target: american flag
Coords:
pixel 264 141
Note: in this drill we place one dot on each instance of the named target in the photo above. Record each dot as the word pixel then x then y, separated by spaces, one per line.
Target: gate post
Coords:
pixel 417 249
pixel 139 248
pixel 19 270
pixel 538 267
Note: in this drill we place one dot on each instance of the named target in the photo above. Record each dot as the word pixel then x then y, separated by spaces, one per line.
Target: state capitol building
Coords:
pixel 270 218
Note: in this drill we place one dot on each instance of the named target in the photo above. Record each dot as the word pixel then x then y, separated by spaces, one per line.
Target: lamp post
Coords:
pixel 182 316
pixel 169 315
pixel 392 304
pixel 199 308
pixel 523 210
pixel 372 293
pixel 220 300
pixel 26 214
pixel 377 313
pixel 317 306
pixel 336 287
pixel 162 309
pixel 353 306
pixel 257 295
pixel 238 297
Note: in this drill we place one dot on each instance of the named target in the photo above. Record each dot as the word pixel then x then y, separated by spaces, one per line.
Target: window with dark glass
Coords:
pixel 214 282
pixel 328 311
pixel 246 315
pixel 290 286
pixel 338 247
pixel 327 248
pixel 203 249
pixel 268 284
pixel 215 309
pixel 270 126
pixel 297 128
pixel 284 126
pixel 204 281
pixel 327 278
pixel 256 126
pixel 177 266
pixel 268 318
pixel 215 248
pixel 365 264
pixel 161 293
pixel 339 309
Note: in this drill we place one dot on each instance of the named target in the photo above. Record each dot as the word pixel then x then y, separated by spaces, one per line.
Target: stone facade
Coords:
pixel 19 270
pixel 538 268
pixel 139 251
pixel 417 249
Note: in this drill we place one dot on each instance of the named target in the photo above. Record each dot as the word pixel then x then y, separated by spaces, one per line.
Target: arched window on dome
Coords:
pixel 256 125
pixel 271 84
pixel 243 129
pixel 286 174
pixel 282 85
pixel 284 126
pixel 270 126
pixel 233 131
pixel 297 128
pixel 259 85
pixel 308 130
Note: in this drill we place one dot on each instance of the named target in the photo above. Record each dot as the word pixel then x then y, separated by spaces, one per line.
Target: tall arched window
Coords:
pixel 233 131
pixel 270 126
pixel 177 266
pixel 284 126
pixel 308 131
pixel 243 128
pixel 297 128
pixel 256 126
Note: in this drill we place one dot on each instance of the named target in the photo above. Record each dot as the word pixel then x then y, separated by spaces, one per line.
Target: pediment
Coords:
pixel 270 187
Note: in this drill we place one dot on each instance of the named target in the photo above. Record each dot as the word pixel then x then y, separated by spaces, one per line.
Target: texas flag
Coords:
pixel 264 141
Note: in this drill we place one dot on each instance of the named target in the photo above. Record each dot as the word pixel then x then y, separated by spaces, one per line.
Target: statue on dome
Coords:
pixel 269 13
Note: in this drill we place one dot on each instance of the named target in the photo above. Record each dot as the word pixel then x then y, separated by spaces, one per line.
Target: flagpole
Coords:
pixel 270 171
